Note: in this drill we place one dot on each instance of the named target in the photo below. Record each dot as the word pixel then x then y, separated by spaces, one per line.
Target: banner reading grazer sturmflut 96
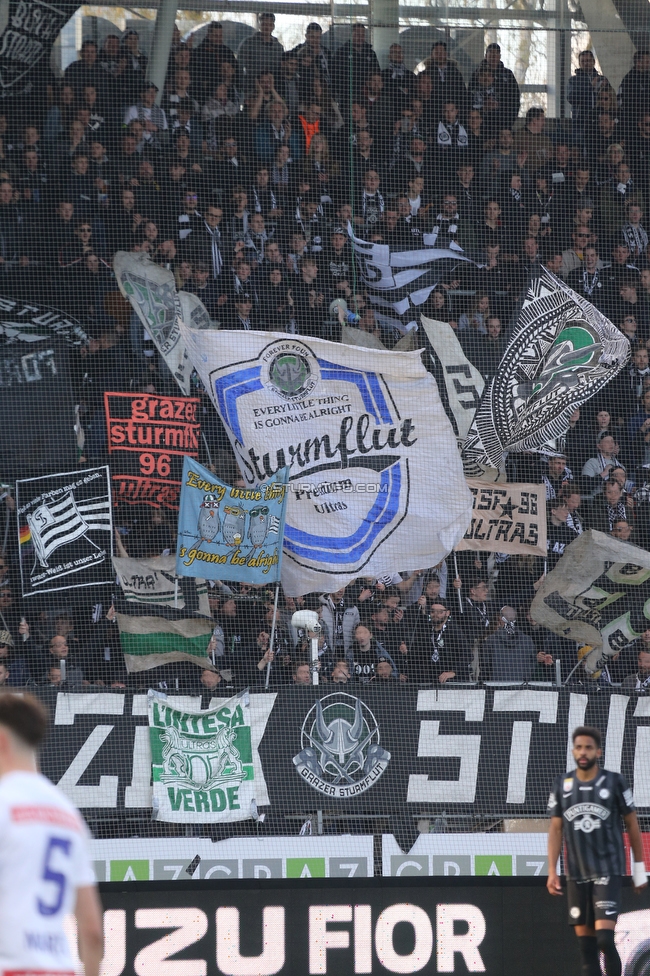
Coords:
pixel 202 762
pixel 148 437
pixel 376 479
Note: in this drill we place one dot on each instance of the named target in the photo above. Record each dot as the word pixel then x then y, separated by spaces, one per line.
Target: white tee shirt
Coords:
pixel 43 860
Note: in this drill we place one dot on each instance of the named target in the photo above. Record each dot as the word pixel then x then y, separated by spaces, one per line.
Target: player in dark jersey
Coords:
pixel 587 805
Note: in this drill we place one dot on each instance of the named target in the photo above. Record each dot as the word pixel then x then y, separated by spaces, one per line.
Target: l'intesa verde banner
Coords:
pixel 202 762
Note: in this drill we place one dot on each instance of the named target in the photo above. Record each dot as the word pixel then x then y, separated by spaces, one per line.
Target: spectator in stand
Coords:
pixel 261 52
pixel 560 532
pixel 533 141
pixel 366 654
pixel 639 682
pixel 607 507
pixel 354 61
pixel 581 94
pixel 508 654
pixel 597 469
pixel 634 93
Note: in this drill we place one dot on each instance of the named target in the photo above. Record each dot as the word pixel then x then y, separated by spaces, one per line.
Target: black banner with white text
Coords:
pixel 400 752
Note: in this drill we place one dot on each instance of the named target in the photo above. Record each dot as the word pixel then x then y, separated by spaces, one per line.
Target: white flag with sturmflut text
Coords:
pixel 376 482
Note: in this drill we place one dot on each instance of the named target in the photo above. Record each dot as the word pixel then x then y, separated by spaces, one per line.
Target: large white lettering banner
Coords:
pixel 376 480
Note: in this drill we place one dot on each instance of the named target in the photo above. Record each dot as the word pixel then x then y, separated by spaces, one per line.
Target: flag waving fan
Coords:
pixel 562 352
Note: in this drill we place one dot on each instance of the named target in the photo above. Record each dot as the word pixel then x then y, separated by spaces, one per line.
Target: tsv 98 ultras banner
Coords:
pixel 377 484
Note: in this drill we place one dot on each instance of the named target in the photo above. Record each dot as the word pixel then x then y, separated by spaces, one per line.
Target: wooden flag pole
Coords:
pixel 460 599
pixel 275 613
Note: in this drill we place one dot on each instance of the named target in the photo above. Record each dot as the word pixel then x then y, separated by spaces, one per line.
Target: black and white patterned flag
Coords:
pixel 562 352
pixel 398 283
pixel 65 531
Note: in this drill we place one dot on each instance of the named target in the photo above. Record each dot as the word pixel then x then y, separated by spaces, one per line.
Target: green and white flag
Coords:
pixel 201 762
pixel 149 642
pixel 151 290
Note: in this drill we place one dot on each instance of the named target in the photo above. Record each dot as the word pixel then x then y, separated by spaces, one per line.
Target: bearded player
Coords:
pixel 586 807
pixel 45 871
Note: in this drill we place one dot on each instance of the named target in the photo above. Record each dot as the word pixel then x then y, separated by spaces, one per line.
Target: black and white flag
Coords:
pixel 562 352
pixel 65 531
pixel 459 382
pixel 27 322
pixel 398 283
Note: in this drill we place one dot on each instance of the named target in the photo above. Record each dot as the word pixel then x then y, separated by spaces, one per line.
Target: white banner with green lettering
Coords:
pixel 202 762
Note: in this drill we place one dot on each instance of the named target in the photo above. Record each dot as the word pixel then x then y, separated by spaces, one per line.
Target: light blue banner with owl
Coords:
pixel 229 533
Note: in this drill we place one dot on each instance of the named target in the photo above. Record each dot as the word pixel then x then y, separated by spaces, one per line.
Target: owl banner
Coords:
pixel 227 533
pixel 376 481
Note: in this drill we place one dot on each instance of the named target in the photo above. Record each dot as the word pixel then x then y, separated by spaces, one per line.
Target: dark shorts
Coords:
pixel 593 901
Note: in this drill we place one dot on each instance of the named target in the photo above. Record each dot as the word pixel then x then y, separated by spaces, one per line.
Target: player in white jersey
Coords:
pixel 45 871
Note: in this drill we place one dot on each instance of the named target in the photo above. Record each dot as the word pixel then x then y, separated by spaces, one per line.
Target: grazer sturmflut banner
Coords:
pixel 376 479
pixel 394 751
pixel 562 352
pixel 148 437
pixel 507 518
pixel 598 594
pixel 65 531
pixel 202 762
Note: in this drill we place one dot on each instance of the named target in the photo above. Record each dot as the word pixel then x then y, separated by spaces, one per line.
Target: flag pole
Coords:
pixel 460 599
pixel 275 612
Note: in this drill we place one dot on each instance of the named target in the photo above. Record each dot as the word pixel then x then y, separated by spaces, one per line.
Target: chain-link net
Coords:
pixel 265 189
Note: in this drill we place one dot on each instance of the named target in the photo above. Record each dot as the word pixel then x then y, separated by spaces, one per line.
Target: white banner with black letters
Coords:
pixel 376 479
pixel 478 751
pixel 457 378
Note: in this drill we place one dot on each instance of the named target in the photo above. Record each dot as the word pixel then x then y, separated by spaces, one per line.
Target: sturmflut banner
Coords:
pixel 65 531
pixel 376 479
pixel 201 762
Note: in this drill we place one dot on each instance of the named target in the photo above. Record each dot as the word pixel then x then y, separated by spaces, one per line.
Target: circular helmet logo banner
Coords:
pixel 341 754
pixel 293 375
pixel 368 444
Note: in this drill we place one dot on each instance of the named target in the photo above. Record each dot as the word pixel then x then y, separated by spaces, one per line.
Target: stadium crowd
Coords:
pixel 243 181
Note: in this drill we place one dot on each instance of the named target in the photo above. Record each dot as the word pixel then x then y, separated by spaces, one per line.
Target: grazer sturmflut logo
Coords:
pixel 341 754
pixel 292 374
